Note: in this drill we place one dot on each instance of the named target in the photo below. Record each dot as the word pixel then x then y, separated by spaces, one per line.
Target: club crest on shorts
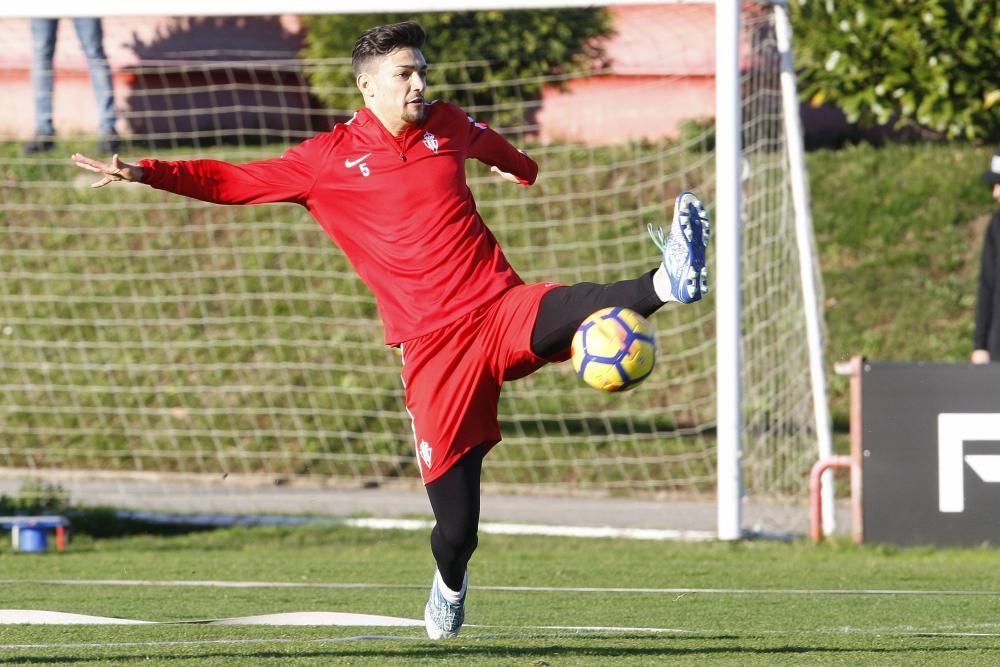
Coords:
pixel 431 141
pixel 425 453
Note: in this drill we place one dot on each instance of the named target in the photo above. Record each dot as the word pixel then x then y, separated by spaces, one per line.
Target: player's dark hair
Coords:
pixel 382 40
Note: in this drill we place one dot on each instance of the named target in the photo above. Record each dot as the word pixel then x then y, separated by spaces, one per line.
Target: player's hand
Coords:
pixel 116 171
pixel 505 176
pixel 980 356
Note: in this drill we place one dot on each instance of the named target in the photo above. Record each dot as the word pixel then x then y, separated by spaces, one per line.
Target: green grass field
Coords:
pixel 749 603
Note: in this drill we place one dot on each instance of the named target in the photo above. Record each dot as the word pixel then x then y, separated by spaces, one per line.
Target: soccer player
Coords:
pixel 388 187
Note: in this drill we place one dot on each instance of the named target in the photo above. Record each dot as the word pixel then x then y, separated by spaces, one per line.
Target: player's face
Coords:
pixel 395 90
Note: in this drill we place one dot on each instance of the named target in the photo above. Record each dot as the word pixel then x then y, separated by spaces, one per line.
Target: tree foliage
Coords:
pixel 930 63
pixel 502 53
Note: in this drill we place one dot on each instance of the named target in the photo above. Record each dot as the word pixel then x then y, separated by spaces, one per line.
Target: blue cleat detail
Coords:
pixel 684 248
pixel 443 619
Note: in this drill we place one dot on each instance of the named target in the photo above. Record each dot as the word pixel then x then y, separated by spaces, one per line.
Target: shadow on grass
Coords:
pixel 581 648
pixel 105 523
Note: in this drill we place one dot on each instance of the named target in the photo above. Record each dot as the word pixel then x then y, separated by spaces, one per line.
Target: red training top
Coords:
pixel 399 208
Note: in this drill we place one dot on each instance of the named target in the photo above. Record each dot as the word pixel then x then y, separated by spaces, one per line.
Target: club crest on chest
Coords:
pixel 431 142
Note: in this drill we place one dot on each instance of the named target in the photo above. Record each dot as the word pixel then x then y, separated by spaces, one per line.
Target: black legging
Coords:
pixel 454 498
pixel 454 495
pixel 563 309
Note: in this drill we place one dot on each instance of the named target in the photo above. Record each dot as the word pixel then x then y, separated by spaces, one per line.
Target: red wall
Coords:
pixel 661 73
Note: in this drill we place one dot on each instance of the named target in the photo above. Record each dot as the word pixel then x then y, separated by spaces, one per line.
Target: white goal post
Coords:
pixel 145 335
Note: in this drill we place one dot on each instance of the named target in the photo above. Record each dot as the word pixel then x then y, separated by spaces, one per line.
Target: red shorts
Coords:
pixel 452 376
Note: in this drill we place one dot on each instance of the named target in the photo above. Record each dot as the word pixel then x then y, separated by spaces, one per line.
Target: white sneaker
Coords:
pixel 684 248
pixel 443 619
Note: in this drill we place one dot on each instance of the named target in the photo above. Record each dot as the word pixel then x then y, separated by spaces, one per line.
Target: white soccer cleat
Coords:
pixel 443 619
pixel 684 248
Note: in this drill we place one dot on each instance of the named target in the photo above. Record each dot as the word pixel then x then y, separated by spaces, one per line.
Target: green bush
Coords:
pixel 502 54
pixel 930 64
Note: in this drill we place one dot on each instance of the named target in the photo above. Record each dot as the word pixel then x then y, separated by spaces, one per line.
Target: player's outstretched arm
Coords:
pixel 115 171
pixel 285 179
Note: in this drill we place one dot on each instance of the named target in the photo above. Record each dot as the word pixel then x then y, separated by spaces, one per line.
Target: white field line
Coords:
pixel 307 618
pixel 586 628
pixel 313 618
pixel 909 631
pixel 543 529
pixel 954 634
pixel 943 628
pixel 514 589
pixel 494 528
pixel 732 591
pixel 202 642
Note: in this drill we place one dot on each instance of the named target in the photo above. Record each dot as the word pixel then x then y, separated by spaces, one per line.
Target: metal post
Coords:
pixel 804 241
pixel 729 412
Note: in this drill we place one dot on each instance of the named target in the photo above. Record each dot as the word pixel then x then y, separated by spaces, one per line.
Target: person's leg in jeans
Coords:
pixel 91 35
pixel 43 43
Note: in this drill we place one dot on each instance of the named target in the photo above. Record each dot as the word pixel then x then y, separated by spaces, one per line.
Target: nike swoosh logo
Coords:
pixel 350 163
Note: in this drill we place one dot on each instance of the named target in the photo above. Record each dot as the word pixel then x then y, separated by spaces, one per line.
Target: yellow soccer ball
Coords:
pixel 614 349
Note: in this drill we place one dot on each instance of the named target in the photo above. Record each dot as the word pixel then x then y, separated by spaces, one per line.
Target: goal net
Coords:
pixel 147 336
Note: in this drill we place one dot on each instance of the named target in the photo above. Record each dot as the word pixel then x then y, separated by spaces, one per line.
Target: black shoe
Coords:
pixel 40 144
pixel 109 143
